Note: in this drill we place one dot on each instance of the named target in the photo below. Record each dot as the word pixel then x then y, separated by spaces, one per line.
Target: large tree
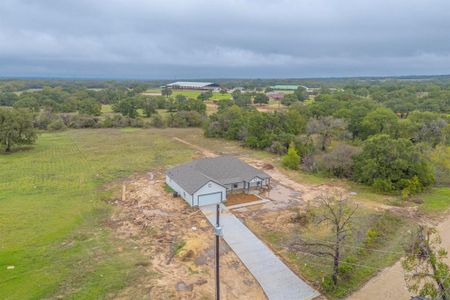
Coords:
pixel 16 128
pixel 127 107
pixel 381 120
pixel 392 164
pixel 261 98
pixel 90 106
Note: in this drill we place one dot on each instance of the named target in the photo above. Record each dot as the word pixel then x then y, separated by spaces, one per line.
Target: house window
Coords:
pixel 235 185
pixel 209 185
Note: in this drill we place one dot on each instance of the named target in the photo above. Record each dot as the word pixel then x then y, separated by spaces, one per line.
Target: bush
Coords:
pixel 339 161
pixel 157 121
pixel 183 119
pixel 291 160
pixel 382 185
pixel 57 125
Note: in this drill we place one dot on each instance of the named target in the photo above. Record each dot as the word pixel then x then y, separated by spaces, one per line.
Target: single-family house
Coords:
pixel 207 181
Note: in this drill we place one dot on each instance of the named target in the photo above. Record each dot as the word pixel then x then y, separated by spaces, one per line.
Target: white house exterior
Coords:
pixel 207 181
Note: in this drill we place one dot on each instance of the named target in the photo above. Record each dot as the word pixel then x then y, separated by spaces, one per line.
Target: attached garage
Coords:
pixel 208 199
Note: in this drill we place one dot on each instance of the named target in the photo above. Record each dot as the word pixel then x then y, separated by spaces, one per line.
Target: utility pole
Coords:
pixel 218 231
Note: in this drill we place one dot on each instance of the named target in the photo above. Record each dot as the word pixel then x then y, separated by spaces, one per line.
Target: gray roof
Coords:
pixel 222 170
pixel 191 84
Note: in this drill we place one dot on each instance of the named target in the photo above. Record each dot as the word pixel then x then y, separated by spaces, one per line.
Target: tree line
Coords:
pixel 346 135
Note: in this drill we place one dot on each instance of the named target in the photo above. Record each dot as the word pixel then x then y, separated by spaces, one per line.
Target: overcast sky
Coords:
pixel 172 39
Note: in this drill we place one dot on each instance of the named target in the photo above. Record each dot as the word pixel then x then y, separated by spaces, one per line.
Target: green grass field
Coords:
pixel 195 93
pixel 53 215
pixel 436 201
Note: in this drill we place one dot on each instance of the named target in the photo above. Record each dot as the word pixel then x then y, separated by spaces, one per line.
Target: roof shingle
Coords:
pixel 222 170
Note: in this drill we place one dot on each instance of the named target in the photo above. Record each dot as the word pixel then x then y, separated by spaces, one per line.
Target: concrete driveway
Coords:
pixel 276 279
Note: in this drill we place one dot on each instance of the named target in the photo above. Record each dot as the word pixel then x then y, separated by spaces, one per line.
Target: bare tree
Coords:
pixel 337 214
pixel 426 272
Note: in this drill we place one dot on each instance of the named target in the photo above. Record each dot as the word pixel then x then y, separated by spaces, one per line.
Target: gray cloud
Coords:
pixel 234 38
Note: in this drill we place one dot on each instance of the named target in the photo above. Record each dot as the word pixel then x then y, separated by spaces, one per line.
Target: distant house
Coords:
pixel 207 181
pixel 275 95
pixel 188 85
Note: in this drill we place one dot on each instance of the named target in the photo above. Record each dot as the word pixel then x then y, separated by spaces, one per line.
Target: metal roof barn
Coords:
pixel 192 85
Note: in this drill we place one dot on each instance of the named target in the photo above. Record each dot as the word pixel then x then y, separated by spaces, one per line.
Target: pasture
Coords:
pixel 54 232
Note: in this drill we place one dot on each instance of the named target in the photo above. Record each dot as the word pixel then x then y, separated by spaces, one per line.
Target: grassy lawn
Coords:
pixel 436 201
pixel 53 217
pixel 195 93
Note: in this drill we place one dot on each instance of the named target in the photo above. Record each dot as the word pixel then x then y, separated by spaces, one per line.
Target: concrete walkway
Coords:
pixel 276 279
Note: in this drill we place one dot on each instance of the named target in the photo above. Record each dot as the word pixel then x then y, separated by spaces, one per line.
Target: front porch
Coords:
pixel 247 186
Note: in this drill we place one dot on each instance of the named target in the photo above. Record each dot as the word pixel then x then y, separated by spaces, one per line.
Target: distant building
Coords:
pixel 285 87
pixel 293 87
pixel 188 85
pixel 275 95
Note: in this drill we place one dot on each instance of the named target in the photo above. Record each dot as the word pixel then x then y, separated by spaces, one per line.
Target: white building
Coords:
pixel 207 181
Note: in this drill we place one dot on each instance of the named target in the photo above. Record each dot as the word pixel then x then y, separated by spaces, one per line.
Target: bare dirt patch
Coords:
pixel 177 243
pixel 233 199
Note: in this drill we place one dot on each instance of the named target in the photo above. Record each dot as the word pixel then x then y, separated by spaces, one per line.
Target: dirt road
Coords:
pixel 390 284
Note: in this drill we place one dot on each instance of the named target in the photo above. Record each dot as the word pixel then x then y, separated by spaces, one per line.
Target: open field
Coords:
pixel 66 231
pixel 61 208
pixel 53 210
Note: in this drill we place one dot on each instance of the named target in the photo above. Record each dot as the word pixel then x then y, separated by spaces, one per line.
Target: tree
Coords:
pixel 149 106
pixel 16 128
pixel 289 99
pixel 390 164
pixel 381 120
pixel 261 98
pixel 205 95
pixel 8 99
pixel 90 107
pixel 181 102
pixel 338 215
pixel 339 161
pixel 301 93
pixel 196 105
pixel 166 91
pixel 326 128
pixel 127 107
pixel 291 160
pixel 426 271
pixel 242 99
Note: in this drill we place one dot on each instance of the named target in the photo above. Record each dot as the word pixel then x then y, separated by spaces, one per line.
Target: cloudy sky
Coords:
pixel 172 39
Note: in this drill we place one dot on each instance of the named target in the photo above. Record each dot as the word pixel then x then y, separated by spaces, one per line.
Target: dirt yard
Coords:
pixel 177 243
pixel 233 199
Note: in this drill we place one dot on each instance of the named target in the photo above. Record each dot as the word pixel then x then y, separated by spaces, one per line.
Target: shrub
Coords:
pixel 382 185
pixel 291 160
pixel 157 121
pixel 57 125
pixel 339 162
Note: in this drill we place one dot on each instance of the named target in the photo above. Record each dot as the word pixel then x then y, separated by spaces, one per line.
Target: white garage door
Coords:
pixel 208 199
